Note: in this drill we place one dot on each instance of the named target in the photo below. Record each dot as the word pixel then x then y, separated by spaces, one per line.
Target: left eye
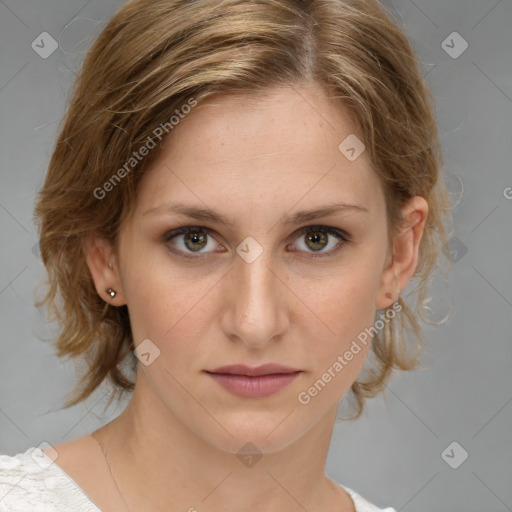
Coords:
pixel 195 240
pixel 317 238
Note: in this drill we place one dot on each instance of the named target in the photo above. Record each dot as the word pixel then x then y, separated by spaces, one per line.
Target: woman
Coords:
pixel 237 196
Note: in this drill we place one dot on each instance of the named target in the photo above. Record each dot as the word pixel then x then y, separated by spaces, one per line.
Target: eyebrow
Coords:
pixel 207 214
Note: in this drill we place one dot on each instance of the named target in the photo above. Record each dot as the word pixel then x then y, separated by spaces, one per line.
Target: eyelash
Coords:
pixel 341 235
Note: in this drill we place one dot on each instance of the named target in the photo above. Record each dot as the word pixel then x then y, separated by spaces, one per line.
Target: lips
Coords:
pixel 265 369
pixel 254 382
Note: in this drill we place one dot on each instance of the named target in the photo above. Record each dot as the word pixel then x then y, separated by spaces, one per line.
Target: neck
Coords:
pixel 161 464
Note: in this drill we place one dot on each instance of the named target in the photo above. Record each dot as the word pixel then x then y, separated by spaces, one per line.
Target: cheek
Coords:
pixel 153 297
pixel 347 301
pixel 166 305
pixel 346 305
pixel 348 315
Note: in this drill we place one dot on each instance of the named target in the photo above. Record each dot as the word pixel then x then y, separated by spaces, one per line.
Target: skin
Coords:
pixel 254 162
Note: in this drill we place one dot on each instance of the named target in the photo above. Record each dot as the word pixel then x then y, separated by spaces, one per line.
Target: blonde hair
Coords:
pixel 149 61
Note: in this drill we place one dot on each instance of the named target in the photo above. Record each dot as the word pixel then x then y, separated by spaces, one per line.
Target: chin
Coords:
pixel 264 430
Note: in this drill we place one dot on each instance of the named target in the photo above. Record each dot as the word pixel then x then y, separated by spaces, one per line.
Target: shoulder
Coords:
pixel 30 481
pixel 362 505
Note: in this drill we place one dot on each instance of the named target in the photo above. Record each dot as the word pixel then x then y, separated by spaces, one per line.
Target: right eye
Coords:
pixel 191 240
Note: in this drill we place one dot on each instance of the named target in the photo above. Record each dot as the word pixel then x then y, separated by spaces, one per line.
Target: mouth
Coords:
pixel 258 382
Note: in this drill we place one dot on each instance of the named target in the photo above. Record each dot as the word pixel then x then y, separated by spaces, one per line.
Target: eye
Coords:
pixel 317 238
pixel 194 239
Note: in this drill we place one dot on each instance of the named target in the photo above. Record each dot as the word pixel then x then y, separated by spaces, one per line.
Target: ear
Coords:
pixel 404 259
pixel 104 268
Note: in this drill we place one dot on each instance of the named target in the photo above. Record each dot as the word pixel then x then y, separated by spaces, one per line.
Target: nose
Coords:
pixel 255 302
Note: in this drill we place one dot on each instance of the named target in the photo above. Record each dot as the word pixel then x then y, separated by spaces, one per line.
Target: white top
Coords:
pixel 31 482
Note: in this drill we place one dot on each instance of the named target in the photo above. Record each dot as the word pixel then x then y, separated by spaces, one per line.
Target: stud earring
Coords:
pixel 111 292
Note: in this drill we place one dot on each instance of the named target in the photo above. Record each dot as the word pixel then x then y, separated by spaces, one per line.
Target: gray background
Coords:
pixel 392 455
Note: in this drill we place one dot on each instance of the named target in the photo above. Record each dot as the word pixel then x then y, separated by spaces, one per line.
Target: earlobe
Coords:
pixel 99 257
pixel 405 252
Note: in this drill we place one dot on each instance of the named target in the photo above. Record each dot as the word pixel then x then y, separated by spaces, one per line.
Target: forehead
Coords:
pixel 238 152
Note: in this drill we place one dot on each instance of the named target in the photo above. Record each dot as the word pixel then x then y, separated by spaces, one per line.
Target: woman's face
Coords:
pixel 260 289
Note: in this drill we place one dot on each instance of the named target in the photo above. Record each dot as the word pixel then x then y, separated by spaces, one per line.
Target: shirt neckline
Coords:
pixel 80 493
pixel 87 501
